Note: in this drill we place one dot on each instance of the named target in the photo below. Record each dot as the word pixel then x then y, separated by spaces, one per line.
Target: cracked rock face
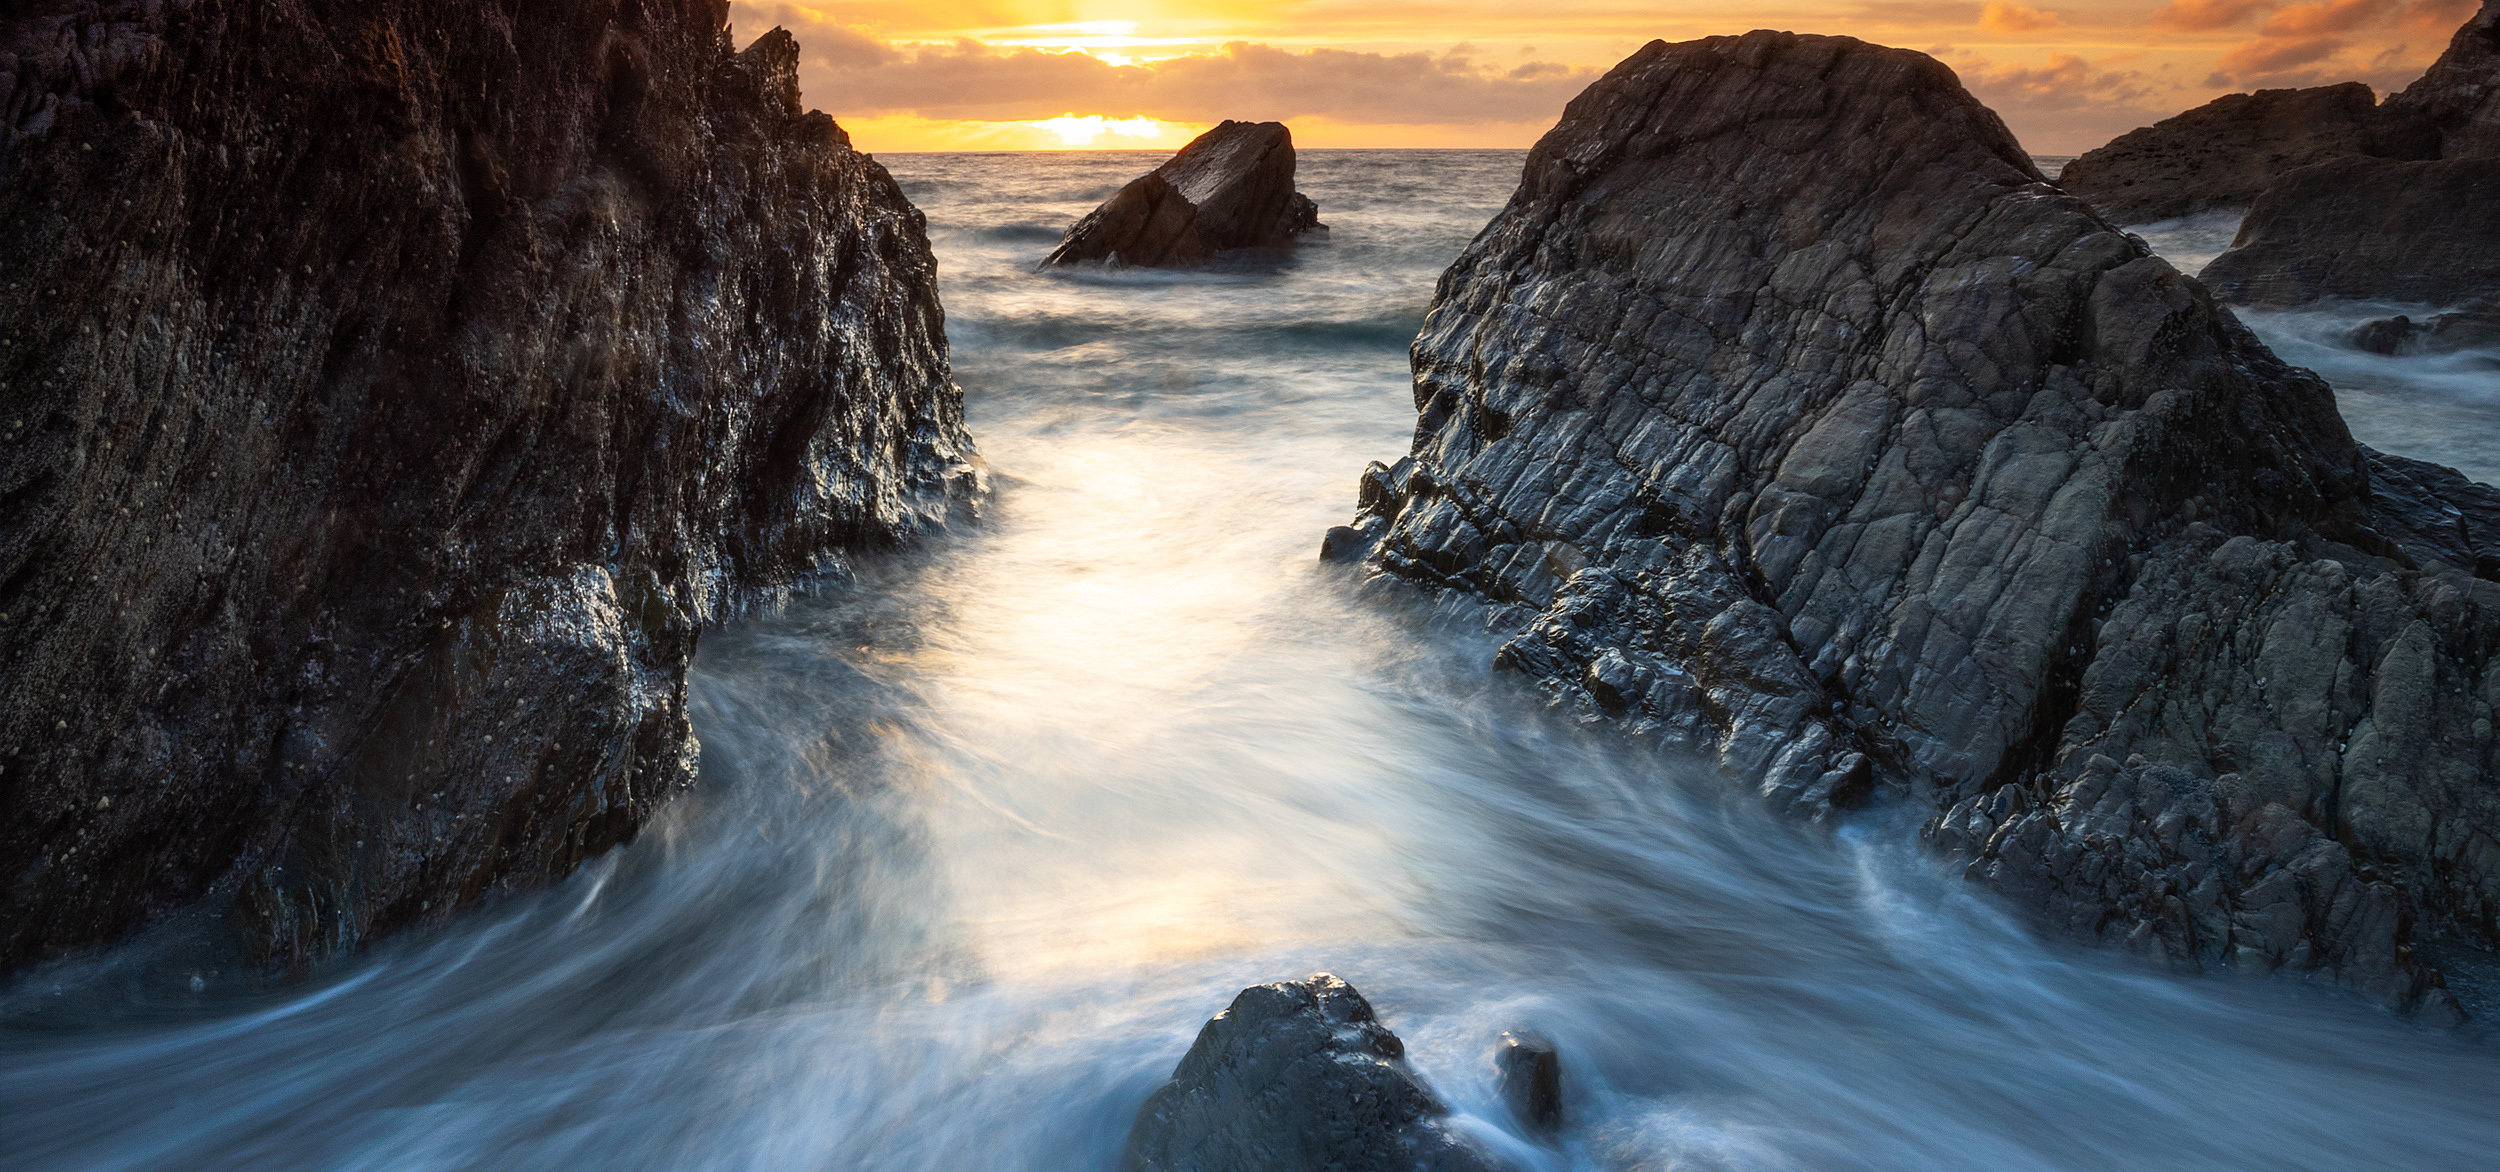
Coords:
pixel 393 390
pixel 2226 152
pixel 1229 190
pixel 1297 1075
pixel 1787 415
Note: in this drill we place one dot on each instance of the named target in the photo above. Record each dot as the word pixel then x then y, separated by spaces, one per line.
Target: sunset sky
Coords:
pixel 915 75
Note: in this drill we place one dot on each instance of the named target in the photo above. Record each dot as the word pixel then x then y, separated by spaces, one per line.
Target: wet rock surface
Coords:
pixel 1297 1075
pixel 1788 415
pixel 1530 1077
pixel 393 391
pixel 2226 152
pixel 1229 190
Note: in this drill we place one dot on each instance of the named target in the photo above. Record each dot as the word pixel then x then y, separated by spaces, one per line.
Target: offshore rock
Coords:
pixel 1788 415
pixel 1297 1075
pixel 2226 152
pixel 2425 231
pixel 393 390
pixel 1230 189
pixel 2368 228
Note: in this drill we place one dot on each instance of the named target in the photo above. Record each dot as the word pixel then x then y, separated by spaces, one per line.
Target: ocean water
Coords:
pixel 985 834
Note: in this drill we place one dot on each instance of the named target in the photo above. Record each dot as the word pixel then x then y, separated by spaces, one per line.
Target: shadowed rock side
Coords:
pixel 2424 231
pixel 2224 153
pixel 1297 1075
pixel 1787 414
pixel 392 391
pixel 1230 189
pixel 2459 94
pixel 2367 228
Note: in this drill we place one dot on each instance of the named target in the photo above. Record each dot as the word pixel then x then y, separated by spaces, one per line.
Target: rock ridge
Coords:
pixel 394 390
pixel 1788 415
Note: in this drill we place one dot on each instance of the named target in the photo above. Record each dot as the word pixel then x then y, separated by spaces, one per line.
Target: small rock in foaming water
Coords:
pixel 1296 1075
pixel 1531 1080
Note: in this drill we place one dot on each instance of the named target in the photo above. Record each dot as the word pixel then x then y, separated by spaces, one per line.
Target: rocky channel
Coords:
pixel 394 391
pixel 1788 415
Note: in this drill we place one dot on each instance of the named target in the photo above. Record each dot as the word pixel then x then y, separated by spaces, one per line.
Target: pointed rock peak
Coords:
pixel 1229 190
pixel 773 60
pixel 2460 93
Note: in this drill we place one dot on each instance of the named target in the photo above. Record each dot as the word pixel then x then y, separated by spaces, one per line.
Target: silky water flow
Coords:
pixel 985 832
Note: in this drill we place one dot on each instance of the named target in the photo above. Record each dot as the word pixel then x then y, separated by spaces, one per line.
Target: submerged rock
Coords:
pixel 2226 152
pixel 392 393
pixel 2473 326
pixel 1788 415
pixel 1230 189
pixel 1293 1076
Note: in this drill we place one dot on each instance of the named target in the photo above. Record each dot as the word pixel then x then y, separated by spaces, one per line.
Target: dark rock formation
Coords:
pixel 2471 327
pixel 2224 153
pixel 1297 1075
pixel 1787 414
pixel 1530 1071
pixel 2427 232
pixel 1230 189
pixel 2424 231
pixel 2459 96
pixel 393 389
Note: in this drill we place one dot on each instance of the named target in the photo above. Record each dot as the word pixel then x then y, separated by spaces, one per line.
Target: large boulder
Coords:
pixel 394 389
pixel 2226 152
pixel 1789 416
pixel 1298 1076
pixel 1229 190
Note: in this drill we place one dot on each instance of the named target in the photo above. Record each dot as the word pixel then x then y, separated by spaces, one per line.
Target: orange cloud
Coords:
pixel 2198 16
pixel 940 73
pixel 2437 16
pixel 2266 55
pixel 2001 17
pixel 971 80
pixel 2326 16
